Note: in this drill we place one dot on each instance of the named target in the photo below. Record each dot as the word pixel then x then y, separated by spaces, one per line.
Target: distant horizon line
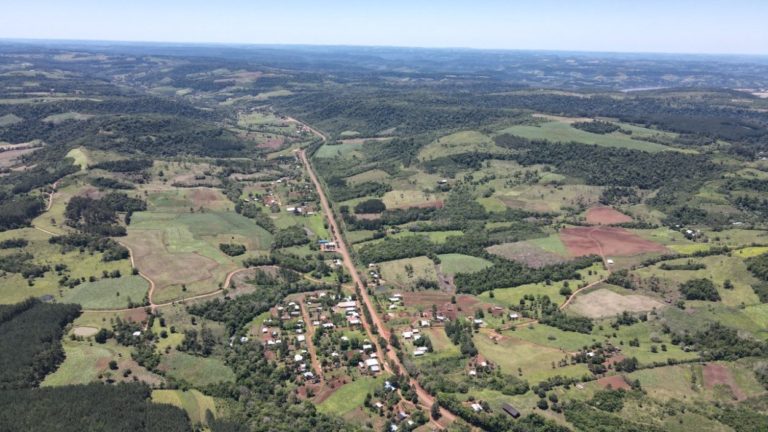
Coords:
pixel 403 47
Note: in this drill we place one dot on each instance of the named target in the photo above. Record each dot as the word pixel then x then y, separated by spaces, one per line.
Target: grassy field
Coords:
pixel 719 268
pixel 394 272
pixel 108 293
pixel 60 118
pixel 85 362
pixel 350 396
pixel 193 402
pixel 80 156
pixel 374 175
pixel 199 371
pixel 546 198
pixel 459 142
pixel 534 360
pixel 458 263
pixel 408 198
pixel 562 132
pixel 434 236
pixel 512 296
pixel 340 150
pixel 14 288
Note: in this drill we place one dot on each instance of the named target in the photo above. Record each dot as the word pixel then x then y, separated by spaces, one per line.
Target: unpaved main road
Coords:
pixel 425 399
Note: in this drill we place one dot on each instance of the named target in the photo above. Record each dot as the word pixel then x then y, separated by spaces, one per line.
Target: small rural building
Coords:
pixel 509 409
pixel 372 364
pixel 476 407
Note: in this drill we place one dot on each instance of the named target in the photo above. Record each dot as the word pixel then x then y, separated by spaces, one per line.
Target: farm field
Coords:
pixel 459 142
pixel 108 293
pixel 167 245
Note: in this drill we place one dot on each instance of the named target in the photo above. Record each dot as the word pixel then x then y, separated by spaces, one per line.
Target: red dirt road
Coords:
pixel 425 399
pixel 606 241
pixel 606 216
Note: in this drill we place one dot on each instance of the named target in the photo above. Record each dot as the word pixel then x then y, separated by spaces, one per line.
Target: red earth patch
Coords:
pixel 606 216
pixel 616 382
pixel 716 374
pixel 606 241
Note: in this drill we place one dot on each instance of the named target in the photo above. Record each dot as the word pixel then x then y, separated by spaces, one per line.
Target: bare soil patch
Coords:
pixel 606 216
pixel 526 253
pixel 606 303
pixel 425 298
pixel 717 374
pixel 204 196
pixel 272 143
pixel 616 382
pixel 606 241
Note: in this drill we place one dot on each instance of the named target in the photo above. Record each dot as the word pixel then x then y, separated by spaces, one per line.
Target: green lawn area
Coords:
pixel 434 236
pixel 199 371
pixel 80 365
pixel 563 132
pixel 192 401
pixel 108 293
pixel 458 263
pixel 350 396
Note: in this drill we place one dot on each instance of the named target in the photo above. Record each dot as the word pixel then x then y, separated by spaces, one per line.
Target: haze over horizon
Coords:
pixel 684 26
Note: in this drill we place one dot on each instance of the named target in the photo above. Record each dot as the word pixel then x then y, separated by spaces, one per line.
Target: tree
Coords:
pixel 435 411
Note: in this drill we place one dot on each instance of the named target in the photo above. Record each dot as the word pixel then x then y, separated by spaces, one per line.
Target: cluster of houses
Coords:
pixel 327 245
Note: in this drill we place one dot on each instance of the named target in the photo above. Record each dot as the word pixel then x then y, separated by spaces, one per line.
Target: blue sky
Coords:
pixel 703 26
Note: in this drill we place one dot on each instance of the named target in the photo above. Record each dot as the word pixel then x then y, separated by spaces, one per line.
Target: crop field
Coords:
pixel 458 263
pixel 530 253
pixel 187 199
pixel 606 241
pixel 396 272
pixel 719 268
pixel 606 216
pixel 603 303
pixel 552 337
pixel 434 236
pixel 199 371
pixel 459 142
pixel 562 132
pixel 182 248
pixel 193 402
pixel 14 288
